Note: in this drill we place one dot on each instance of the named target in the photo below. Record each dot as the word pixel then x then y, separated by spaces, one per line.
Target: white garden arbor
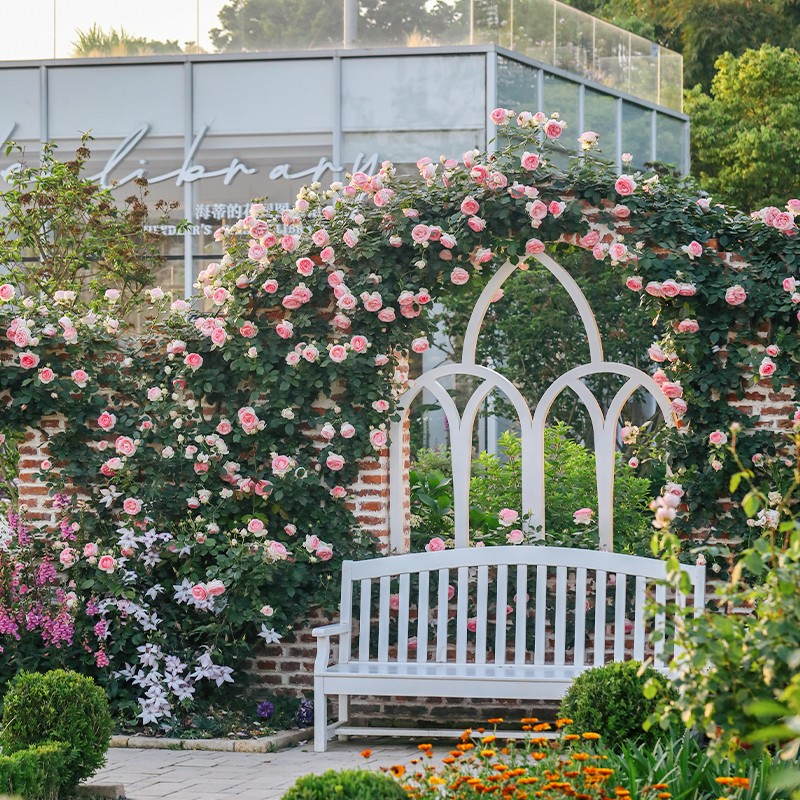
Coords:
pixel 532 425
pixel 519 622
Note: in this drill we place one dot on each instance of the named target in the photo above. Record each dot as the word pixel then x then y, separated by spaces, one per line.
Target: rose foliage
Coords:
pixel 207 516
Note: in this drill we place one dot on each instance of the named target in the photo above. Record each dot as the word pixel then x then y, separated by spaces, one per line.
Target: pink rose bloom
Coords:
pixel 590 239
pixel 194 361
pixel 281 465
pixel 305 266
pixel 556 208
pixel 420 233
pixel 472 624
pixel 459 276
pixel 372 302
pixel 324 553
pixel 378 438
pixel 248 330
pixel 794 206
pixel 435 545
pixel 220 295
pixel 387 315
pixel 420 345
pixel 258 229
pixel 359 343
pixel 107 564
pixel 656 353
pixel 654 289
pixel 247 417
pixel 394 602
pixel 583 516
pixel 618 251
pixel 625 185
pixel 783 221
pixel 328 431
pixel 270 286
pixel 22 336
pixel 508 516
pixel 68 557
pixel 735 295
pixel 342 322
pixel 106 421
pixel 552 129
pixel 336 278
pixel 687 290
pixel 350 237
pixel 338 492
pixel 255 526
pixel 28 360
pixel 132 506
pixel 500 116
pixel 46 464
pixel 534 247
pixel 789 284
pixel 46 375
pixel 660 377
pixel 347 430
pixel 263 488
pixel 347 302
pixel 423 297
pixel 89 550
pixel 284 329
pixel 538 210
pixel 7 292
pixel 694 249
pixel 338 353
pixel 200 468
pixel 497 181
pixel 215 588
pixel 224 427
pixel 302 293
pixel 483 255
pixel 622 212
pixel 199 592
pixel 125 446
pixel 289 242
pixel 773 350
pixel 277 550
pixel 671 390
pixel 529 161
pixel 448 241
pixel 334 461
pixel 633 462
pixel 218 336
pixel 670 288
pixel 257 251
pixel 766 368
pixel 469 206
pixel 476 223
pixel 688 326
pixel 106 470
pixel 600 251
pixel 634 283
pixel 678 406
pixel 515 536
pixel 380 406
pixel 320 237
pixel 718 438
pixel 193 502
pixel 327 255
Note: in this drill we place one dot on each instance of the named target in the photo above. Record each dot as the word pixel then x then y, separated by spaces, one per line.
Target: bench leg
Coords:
pixel 344 712
pixel 320 718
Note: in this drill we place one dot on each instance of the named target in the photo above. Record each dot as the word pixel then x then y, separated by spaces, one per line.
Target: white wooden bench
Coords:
pixel 450 660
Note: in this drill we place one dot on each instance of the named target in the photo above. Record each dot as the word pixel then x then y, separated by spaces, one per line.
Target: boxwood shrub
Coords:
pixel 349 784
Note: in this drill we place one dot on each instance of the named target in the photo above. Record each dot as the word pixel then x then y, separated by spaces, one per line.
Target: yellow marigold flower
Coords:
pixel 495 721
pixel 580 756
pixel 724 781
pixel 474 781
pixel 604 771
pixel 487 753
pixel 741 783
pixel 435 780
pixel 526 727
pixel 487 739
pixel 398 770
pixel 560 723
pixel 591 735
pixel 621 792
pixel 542 726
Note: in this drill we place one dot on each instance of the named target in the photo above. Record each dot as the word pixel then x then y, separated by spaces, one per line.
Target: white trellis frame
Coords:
pixel 532 425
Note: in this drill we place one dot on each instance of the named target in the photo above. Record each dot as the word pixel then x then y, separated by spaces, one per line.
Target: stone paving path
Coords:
pixel 198 775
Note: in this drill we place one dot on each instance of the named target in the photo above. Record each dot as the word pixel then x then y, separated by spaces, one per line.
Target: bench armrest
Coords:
pixel 331 630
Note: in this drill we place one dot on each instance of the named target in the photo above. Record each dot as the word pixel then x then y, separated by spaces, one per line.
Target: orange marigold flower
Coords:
pixel 474 781
pixel 499 767
pixel 398 770
pixel 526 727
pixel 415 761
pixel 424 747
pixel 530 719
pixel 664 795
pixel 580 756
pixel 724 781
pixel 366 753
pixel 542 726
pixel 571 737
pixel 621 792
pixel 495 721
pixel 480 730
pixel 487 739
pixel 538 756
pixel 449 760
pixel 741 783
pixel 487 753
pixel 530 779
pixel 591 735
pixel 560 723
pixel 466 746
pixel 456 753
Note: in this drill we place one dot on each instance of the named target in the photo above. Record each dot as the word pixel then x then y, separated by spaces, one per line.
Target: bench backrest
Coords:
pixel 541 599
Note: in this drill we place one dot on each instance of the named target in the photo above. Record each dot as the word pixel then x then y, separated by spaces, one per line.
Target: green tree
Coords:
pixel 745 133
pixel 98 42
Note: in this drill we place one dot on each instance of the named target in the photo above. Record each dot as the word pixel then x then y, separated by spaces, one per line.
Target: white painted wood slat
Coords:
pixel 483 613
pixel 500 615
pixel 443 613
pixel 462 610
pixel 363 625
pixel 639 622
pixel 384 619
pixel 423 611
pixel 559 655
pixel 521 614
pixel 580 617
pixel 541 614
pixel 402 618
pixel 660 625
pixel 619 618
pixel 600 617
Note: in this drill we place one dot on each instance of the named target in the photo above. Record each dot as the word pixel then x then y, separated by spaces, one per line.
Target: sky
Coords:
pixel 27 25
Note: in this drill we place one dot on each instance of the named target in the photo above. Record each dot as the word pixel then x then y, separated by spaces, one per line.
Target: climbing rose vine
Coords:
pixel 208 515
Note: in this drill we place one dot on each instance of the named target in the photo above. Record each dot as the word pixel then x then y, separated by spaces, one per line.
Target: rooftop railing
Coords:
pixel 546 30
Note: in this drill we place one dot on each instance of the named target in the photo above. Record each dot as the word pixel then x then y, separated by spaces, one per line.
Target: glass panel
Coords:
pixel 636 133
pixel 517 86
pixel 600 114
pixel 670 141
pixel 561 96
pixel 547 30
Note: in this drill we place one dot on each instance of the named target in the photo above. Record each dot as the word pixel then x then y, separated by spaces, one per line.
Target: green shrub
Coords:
pixel 58 706
pixel 349 784
pixel 35 773
pixel 610 700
